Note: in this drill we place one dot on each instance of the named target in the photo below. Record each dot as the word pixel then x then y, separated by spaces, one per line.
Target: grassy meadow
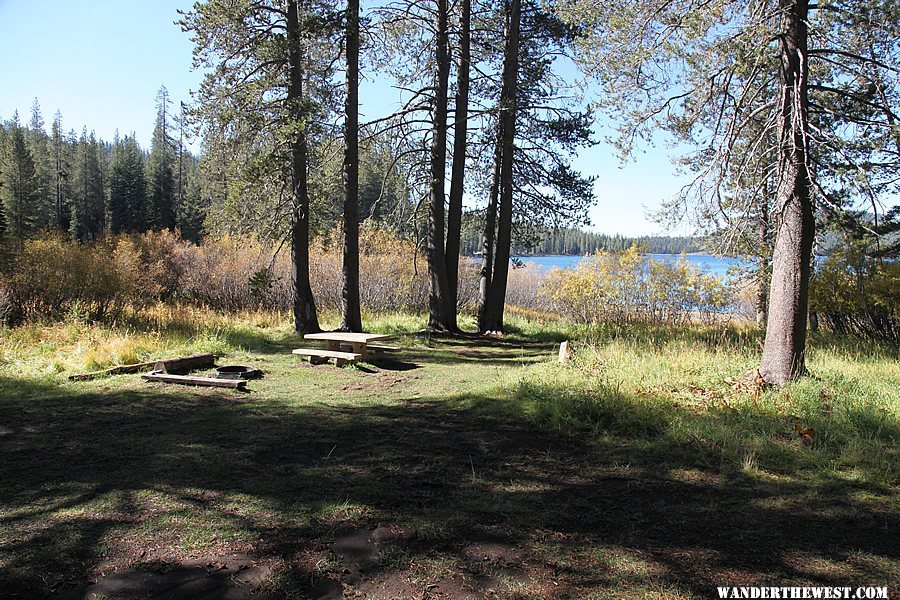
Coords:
pixel 650 465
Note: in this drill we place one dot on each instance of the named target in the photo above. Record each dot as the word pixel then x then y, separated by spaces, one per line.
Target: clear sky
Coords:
pixel 101 62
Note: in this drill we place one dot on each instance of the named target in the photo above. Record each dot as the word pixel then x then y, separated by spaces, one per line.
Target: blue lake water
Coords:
pixel 707 262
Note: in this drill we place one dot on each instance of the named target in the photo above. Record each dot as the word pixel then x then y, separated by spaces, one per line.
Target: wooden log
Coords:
pixel 238 384
pixel 117 370
pixel 186 363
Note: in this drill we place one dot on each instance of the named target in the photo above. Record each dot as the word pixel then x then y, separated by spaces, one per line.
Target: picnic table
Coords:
pixel 339 342
pixel 358 341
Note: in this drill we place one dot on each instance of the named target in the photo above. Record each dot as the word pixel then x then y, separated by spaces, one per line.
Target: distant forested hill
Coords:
pixel 570 241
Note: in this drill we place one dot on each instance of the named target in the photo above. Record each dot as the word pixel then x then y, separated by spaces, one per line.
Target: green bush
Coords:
pixel 852 292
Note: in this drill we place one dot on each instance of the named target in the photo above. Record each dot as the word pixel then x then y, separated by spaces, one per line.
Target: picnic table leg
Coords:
pixel 336 346
pixel 360 348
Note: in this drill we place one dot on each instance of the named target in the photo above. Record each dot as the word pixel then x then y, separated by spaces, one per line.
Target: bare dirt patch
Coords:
pixel 231 577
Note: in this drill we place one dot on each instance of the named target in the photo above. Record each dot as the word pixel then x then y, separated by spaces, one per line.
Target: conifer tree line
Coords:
pixel 84 187
pixel 573 241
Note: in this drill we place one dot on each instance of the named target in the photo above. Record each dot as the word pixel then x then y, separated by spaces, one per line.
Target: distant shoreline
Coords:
pixel 645 253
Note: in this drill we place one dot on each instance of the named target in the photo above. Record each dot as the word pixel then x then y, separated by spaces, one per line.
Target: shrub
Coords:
pixel 164 257
pixel 218 273
pixel 522 288
pixel 629 287
pixel 52 278
pixel 852 292
pixel 7 307
pixel 233 273
pixel 391 274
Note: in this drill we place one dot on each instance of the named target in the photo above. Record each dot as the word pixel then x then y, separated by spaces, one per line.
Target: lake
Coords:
pixel 706 262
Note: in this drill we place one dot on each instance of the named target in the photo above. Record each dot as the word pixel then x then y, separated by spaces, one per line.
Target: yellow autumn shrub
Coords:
pixel 629 286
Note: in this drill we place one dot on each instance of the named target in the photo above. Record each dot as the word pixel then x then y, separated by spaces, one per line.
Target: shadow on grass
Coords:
pixel 389 363
pixel 98 478
pixel 484 350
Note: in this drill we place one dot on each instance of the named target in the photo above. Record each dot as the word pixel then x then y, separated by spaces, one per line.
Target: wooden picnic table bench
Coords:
pixel 317 356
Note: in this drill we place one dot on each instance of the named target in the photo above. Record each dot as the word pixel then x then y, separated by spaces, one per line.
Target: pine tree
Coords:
pixel 801 90
pixel 127 188
pixel 538 123
pixel 37 141
pixel 420 56
pixel 181 172
pixel 192 211
pixel 160 173
pixel 60 157
pixel 87 189
pixel 19 186
pixel 493 284
pixel 441 308
pixel 2 220
pixel 458 167
pixel 261 99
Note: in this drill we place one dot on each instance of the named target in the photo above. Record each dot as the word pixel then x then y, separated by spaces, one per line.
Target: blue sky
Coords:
pixel 101 62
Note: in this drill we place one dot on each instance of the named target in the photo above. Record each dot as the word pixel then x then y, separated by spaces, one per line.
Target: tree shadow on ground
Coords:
pixel 486 350
pixel 402 500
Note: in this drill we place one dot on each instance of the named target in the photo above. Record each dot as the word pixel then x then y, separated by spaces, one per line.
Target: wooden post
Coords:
pixel 360 348
pixel 566 352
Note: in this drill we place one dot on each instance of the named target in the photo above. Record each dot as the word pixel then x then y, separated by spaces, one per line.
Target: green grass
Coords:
pixel 684 391
pixel 648 466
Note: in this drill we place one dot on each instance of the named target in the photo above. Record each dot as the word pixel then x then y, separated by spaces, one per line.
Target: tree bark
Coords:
pixel 487 243
pixel 508 96
pixel 350 310
pixel 457 173
pixel 763 275
pixel 439 301
pixel 785 345
pixel 305 317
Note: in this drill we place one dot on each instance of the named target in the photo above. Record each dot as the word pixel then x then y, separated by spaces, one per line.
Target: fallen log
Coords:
pixel 169 365
pixel 238 384
pixel 186 363
pixel 117 370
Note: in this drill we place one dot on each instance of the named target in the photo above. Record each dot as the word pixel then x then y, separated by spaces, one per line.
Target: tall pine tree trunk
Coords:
pixel 487 243
pixel 785 345
pixel 439 301
pixel 508 97
pixel 305 317
pixel 763 275
pixel 457 173
pixel 350 310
